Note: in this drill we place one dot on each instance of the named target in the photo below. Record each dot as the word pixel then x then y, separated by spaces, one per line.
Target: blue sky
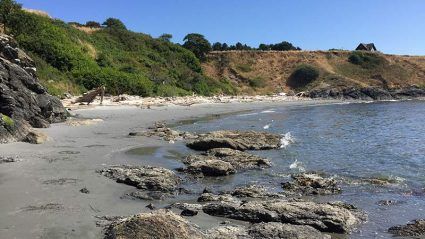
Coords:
pixel 395 26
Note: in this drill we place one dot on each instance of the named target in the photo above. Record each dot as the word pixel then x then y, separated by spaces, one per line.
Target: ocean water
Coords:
pixel 350 142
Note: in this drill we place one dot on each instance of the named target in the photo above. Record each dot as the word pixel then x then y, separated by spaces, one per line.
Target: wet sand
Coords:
pixel 40 194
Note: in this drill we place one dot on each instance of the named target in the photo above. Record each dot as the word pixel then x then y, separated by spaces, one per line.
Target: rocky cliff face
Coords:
pixel 24 102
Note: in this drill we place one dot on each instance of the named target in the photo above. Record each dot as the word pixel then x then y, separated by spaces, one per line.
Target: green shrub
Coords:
pixel 7 121
pixel 222 86
pixel 365 59
pixel 244 67
pixel 257 82
pixel 302 76
pixel 169 91
pixel 70 60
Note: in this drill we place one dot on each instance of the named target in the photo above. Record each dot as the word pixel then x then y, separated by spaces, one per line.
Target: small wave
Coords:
pixel 342 103
pixel 267 126
pixel 267 111
pixel 247 114
pixel 297 165
pixel 286 140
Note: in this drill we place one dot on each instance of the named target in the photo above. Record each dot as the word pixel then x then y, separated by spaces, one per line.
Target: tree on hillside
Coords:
pixel 239 46
pixel 165 37
pixel 263 47
pixel 283 46
pixel 7 9
pixel 197 44
pixel 224 47
pixel 217 46
pixel 114 23
pixel 77 24
pixel 93 24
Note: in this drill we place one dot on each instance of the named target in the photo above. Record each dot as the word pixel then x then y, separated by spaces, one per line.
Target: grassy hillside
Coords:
pixel 74 60
pixel 271 72
pixel 71 58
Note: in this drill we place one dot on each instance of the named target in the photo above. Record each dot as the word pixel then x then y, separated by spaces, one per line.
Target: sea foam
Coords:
pixel 286 140
pixel 297 165
pixel 268 111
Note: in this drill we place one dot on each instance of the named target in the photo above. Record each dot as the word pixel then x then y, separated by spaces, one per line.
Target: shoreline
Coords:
pixel 43 186
pixel 41 190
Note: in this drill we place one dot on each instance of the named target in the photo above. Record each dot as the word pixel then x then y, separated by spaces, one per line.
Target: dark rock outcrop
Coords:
pixel 7 160
pixel 274 230
pixel 145 178
pixel 368 93
pixel 210 197
pixel 189 213
pixel 239 140
pixel 253 191
pixel 228 232
pixel 249 191
pixel 222 162
pixel 325 217
pixel 146 195
pixel 311 184
pixel 23 100
pixel 414 229
pixel 157 224
pixel 209 167
pixel 160 129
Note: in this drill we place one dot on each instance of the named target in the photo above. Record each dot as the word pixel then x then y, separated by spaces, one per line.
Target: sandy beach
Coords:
pixel 41 195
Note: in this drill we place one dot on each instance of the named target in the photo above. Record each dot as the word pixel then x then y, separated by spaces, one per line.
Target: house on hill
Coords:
pixel 366 47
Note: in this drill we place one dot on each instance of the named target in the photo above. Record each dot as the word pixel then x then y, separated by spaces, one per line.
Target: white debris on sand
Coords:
pixel 147 102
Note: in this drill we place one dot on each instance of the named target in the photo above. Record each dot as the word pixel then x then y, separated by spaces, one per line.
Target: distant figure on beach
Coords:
pixel 89 96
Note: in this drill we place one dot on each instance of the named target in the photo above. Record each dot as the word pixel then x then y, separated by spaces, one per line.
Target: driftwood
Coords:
pixel 89 96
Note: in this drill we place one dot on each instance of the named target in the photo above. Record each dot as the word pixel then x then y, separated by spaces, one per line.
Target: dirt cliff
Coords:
pixel 339 75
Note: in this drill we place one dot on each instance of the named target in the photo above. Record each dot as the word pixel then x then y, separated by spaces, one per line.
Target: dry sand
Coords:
pixel 40 195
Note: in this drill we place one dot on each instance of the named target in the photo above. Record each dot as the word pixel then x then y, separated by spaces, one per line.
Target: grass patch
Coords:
pixel 244 67
pixel 257 82
pixel 7 121
pixel 169 91
pixel 366 60
pixel 303 75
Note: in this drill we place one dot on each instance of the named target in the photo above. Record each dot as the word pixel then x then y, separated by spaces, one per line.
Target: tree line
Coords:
pixel 282 46
pixel 200 46
pixel 110 23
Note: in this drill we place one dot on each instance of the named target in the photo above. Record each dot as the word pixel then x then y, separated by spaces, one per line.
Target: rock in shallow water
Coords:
pixel 189 213
pixel 414 229
pixel 254 191
pixel 239 140
pixel 274 230
pixel 326 217
pixel 209 167
pixel 249 191
pixel 311 184
pixel 222 162
pixel 210 197
pixel 271 230
pixel 160 129
pixel 144 177
pixel 157 224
